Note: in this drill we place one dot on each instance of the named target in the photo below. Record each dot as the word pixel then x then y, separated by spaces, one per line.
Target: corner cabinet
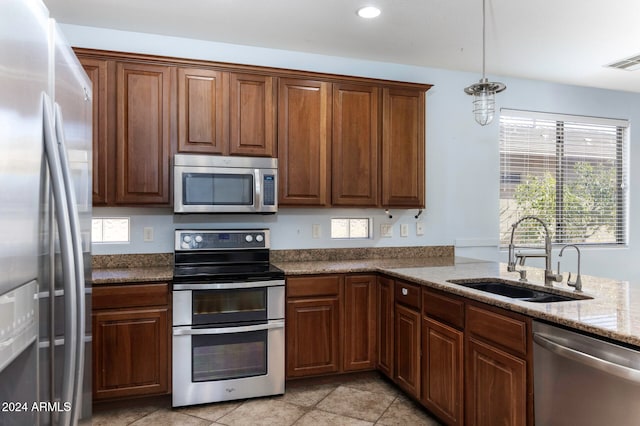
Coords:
pixel 131 340
pixel 304 142
pixel 360 321
pixel 403 148
pixel 385 326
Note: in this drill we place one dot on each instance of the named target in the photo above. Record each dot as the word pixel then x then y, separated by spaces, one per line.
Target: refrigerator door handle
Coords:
pixel 52 155
pixel 76 240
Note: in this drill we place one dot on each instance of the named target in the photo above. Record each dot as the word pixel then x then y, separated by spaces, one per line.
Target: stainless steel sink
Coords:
pixel 517 291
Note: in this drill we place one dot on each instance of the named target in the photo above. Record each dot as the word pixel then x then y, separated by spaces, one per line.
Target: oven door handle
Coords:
pixel 228 286
pixel 188 330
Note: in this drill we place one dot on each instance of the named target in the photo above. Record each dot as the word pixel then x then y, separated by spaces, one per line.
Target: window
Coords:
pixel 348 228
pixel 110 230
pixel 571 171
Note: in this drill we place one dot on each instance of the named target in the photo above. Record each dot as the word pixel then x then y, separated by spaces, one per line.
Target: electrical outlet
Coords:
pixel 419 228
pixel 315 230
pixel 404 230
pixel 386 230
pixel 147 234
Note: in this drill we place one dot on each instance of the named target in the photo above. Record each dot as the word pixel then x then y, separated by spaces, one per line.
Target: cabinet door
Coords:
pixel 313 336
pixel 97 70
pixel 143 133
pixel 496 390
pixel 442 370
pixel 202 111
pixel 385 325
pixel 407 353
pixel 359 322
pixel 355 145
pixel 304 136
pixel 252 103
pixel 130 353
pixel 403 146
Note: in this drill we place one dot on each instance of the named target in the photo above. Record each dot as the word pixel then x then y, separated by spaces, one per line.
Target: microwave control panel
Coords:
pixel 269 190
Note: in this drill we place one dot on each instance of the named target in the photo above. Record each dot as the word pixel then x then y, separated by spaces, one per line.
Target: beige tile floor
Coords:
pixel 363 399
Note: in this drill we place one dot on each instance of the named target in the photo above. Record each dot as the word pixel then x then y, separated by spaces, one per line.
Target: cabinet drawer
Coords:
pixel 407 294
pixel 447 309
pixel 325 285
pixel 510 332
pixel 130 296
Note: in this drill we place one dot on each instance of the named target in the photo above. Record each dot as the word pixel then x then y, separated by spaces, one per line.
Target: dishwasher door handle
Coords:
pixel 592 361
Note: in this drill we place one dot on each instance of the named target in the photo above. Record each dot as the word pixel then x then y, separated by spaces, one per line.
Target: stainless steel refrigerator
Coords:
pixel 45 222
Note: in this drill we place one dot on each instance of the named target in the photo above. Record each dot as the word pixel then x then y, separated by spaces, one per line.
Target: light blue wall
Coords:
pixel 462 159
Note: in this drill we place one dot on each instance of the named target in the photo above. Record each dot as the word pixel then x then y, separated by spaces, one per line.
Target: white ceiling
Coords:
pixel 566 41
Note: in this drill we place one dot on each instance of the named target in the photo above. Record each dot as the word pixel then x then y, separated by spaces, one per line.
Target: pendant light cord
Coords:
pixel 484 31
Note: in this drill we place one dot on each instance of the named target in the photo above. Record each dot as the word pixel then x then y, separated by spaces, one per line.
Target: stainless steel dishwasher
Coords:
pixel 580 380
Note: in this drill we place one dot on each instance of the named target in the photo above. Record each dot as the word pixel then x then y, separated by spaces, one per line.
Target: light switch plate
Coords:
pixel 386 230
pixel 315 230
pixel 419 228
pixel 404 230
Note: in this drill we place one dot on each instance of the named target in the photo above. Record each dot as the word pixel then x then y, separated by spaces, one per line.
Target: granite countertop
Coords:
pixel 131 268
pixel 613 312
pixel 144 274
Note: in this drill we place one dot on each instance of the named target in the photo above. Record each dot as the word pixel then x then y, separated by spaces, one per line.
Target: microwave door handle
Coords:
pixel 258 190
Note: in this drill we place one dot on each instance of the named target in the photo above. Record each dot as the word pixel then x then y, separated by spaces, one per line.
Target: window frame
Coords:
pixel 621 166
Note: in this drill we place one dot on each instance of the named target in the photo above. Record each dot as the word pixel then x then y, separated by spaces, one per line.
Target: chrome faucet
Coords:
pixel 549 276
pixel 578 283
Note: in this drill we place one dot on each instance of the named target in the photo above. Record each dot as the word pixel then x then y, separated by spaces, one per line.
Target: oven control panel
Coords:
pixel 240 239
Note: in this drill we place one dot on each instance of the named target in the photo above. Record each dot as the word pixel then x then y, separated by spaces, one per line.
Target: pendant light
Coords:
pixel 484 103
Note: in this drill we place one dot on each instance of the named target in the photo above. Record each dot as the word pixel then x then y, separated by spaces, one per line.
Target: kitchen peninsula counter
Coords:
pixel 612 312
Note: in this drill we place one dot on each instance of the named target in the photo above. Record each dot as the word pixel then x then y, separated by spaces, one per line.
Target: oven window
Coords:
pixel 217 189
pixel 229 306
pixel 229 356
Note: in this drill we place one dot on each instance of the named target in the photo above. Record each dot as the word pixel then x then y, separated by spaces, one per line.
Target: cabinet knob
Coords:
pixel 405 291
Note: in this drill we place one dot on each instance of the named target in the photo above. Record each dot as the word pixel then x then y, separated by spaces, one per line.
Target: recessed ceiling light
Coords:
pixel 368 12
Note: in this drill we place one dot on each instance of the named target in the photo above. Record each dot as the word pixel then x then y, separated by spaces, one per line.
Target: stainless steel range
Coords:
pixel 228 317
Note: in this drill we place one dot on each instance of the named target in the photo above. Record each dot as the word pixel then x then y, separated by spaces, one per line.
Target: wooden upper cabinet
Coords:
pixel 403 147
pixel 202 123
pixel 304 136
pixel 143 133
pixel 97 70
pixel 355 145
pixel 252 110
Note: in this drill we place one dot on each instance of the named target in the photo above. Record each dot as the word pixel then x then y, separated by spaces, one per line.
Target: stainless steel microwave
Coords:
pixel 217 184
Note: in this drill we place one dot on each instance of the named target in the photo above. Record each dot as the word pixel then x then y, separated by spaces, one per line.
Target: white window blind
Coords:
pixel 571 171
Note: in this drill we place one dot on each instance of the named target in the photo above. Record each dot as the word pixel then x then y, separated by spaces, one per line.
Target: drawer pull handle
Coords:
pixel 405 291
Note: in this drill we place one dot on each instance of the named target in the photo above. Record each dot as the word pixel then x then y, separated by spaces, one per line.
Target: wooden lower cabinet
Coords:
pixel 465 361
pixel 131 340
pixel 496 384
pixel 442 370
pixel 313 336
pixel 386 325
pixel 359 345
pixel 313 318
pixel 407 350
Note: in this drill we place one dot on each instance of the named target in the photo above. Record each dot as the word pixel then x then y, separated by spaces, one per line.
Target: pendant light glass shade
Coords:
pixel 483 92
